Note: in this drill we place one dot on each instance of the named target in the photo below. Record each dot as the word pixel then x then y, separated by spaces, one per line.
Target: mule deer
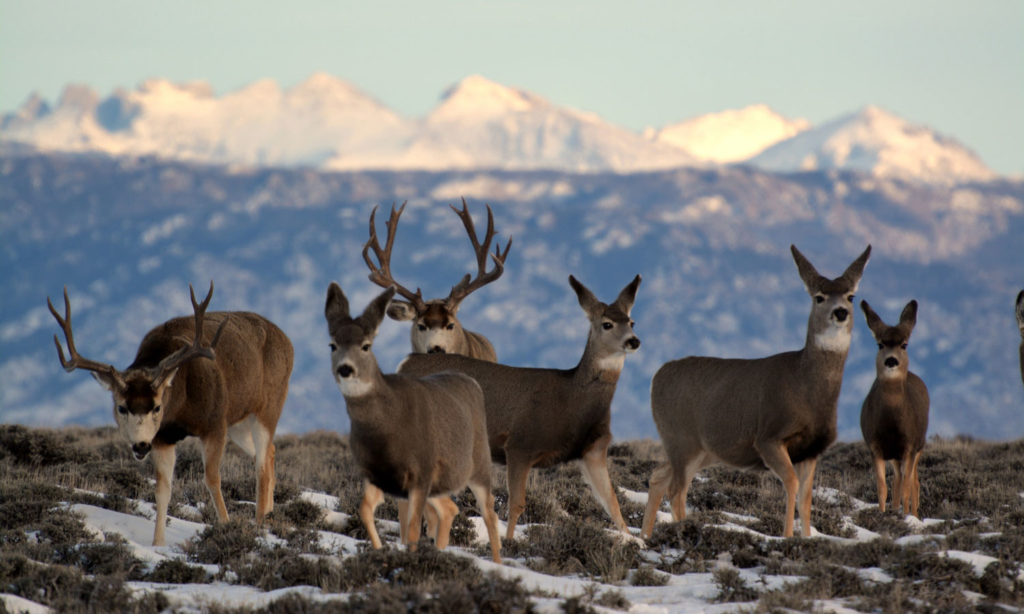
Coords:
pixel 168 394
pixel 436 329
pixel 413 437
pixel 894 416
pixel 777 412
pixel 543 417
pixel 1020 325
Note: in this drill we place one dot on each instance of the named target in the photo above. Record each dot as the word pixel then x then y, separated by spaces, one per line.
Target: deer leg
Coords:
pixel 263 441
pixel 163 461
pixel 883 491
pixel 776 457
pixel 518 471
pixel 413 519
pixel 595 471
pixel 805 476
pixel 915 486
pixel 658 485
pixel 908 481
pixel 897 485
pixel 372 497
pixel 213 452
pixel 444 511
pixel 485 502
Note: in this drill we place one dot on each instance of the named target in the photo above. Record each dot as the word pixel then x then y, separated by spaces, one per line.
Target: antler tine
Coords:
pixel 380 273
pixel 196 349
pixel 75 360
pixel 467 285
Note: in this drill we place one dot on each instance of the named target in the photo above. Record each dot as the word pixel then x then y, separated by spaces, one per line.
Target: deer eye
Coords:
pixel 451 326
pixel 904 346
pixel 156 408
pixel 121 409
pixel 366 347
pixel 850 298
pixel 423 327
pixel 632 323
pixel 880 346
pixel 334 347
pixel 819 299
pixel 607 325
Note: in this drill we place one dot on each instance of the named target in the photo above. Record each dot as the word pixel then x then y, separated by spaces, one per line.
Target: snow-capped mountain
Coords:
pixel 329 124
pixel 729 136
pixel 322 118
pixel 879 143
pixel 483 124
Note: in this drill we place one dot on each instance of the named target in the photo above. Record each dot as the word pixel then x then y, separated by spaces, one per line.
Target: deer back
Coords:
pixel 251 368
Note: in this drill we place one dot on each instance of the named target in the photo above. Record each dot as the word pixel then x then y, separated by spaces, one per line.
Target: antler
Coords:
pixel 462 289
pixel 76 361
pixel 173 361
pixel 381 275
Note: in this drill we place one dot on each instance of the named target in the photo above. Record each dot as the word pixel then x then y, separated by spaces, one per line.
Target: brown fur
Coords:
pixel 247 379
pixel 894 416
pixel 418 438
pixel 777 412
pixel 542 417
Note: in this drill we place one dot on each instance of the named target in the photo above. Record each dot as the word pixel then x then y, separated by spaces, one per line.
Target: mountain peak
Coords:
pixel 477 95
pixel 730 136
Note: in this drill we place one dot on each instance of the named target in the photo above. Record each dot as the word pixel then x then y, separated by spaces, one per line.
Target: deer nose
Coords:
pixel 436 350
pixel 633 343
pixel 141 449
pixel 345 371
pixel 841 314
pixel 891 362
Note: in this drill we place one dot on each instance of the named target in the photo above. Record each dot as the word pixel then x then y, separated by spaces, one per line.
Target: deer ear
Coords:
pixel 627 296
pixel 588 301
pixel 374 312
pixel 105 379
pixel 337 305
pixel 853 273
pixel 401 311
pixel 808 274
pixel 909 317
pixel 875 323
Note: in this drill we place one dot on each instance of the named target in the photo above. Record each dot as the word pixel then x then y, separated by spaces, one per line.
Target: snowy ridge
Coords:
pixel 879 143
pixel 729 136
pixel 330 124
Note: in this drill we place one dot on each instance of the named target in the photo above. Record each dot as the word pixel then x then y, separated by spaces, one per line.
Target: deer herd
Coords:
pixel 451 410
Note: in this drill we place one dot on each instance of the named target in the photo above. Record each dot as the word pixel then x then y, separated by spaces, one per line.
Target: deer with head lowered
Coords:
pixel 543 417
pixel 777 412
pixel 435 327
pixel 417 438
pixel 1020 324
pixel 894 416
pixel 214 376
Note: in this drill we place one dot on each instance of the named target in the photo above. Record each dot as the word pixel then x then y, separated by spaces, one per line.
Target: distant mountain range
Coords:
pixel 328 124
pixel 127 234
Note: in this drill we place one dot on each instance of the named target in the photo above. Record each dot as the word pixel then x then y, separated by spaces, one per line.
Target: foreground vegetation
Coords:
pixel 971 494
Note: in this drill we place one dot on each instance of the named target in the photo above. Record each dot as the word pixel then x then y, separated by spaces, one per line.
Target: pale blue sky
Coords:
pixel 955 66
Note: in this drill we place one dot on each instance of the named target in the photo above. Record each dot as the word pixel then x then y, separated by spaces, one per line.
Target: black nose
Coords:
pixel 436 350
pixel 345 370
pixel 891 362
pixel 841 314
pixel 632 343
pixel 141 449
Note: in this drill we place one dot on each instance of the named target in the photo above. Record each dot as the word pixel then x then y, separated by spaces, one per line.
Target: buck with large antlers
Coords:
pixel 777 412
pixel 213 376
pixel 894 417
pixel 436 329
pixel 418 438
pixel 543 417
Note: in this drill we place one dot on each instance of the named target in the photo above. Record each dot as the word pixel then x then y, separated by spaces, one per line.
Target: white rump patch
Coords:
pixel 833 340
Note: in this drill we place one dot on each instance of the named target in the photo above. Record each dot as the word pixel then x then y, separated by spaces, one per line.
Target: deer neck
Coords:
pixel 368 400
pixel 598 366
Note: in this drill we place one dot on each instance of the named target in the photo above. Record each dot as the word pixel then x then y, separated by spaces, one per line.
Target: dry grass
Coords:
pixel 973 488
